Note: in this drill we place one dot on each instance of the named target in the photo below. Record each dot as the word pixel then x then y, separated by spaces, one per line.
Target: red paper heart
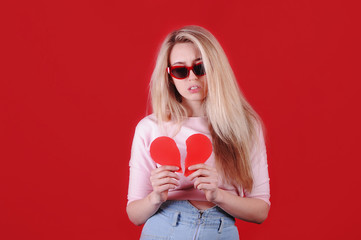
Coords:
pixel 164 151
pixel 199 149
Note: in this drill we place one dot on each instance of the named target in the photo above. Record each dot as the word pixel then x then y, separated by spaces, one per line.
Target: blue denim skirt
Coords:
pixel 181 220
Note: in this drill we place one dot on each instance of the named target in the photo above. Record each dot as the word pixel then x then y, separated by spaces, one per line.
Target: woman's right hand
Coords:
pixel 163 179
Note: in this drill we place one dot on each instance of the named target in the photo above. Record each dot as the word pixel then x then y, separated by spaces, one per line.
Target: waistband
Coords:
pixel 182 211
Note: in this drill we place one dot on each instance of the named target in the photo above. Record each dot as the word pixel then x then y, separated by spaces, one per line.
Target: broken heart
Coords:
pixel 164 151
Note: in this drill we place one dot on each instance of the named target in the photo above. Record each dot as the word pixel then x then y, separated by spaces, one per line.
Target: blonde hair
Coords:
pixel 233 122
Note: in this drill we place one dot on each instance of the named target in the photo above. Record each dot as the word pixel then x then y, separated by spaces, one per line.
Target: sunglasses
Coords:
pixel 182 72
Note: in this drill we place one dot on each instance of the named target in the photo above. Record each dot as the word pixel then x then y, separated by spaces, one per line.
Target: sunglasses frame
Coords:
pixel 169 70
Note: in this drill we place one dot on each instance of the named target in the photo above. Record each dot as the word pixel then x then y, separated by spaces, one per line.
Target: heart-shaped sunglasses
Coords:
pixel 182 72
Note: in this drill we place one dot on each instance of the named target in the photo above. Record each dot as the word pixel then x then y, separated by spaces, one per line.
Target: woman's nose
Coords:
pixel 192 76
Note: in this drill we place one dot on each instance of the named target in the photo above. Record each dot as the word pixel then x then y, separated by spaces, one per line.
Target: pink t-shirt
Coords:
pixel 141 164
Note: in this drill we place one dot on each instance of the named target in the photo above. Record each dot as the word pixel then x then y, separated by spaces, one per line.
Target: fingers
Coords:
pixel 165 168
pixel 164 188
pixel 198 166
pixel 206 179
pixel 204 186
pixel 163 174
pixel 164 178
pixel 202 170
pixel 163 181
pixel 209 182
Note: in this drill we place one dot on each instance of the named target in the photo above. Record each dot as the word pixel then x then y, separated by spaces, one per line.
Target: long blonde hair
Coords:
pixel 233 122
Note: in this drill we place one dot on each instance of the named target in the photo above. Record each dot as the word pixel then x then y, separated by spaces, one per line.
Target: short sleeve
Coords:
pixel 140 165
pixel 259 168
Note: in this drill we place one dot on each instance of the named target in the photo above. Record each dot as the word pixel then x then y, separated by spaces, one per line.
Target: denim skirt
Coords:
pixel 181 220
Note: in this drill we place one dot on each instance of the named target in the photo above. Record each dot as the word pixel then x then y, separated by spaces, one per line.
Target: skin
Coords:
pixel 187 54
pixel 205 177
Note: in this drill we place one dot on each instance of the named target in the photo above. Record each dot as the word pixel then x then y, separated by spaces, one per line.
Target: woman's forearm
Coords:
pixel 162 179
pixel 140 210
pixel 247 209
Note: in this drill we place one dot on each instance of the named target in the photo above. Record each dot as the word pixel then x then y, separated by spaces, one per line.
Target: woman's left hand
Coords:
pixel 206 179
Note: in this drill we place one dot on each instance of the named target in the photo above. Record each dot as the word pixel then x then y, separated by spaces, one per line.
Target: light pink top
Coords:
pixel 141 164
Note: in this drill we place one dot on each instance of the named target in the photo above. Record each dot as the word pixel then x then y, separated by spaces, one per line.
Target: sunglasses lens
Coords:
pixel 180 72
pixel 183 72
pixel 199 69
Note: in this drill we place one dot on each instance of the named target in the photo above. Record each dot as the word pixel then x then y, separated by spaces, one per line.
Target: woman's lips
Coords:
pixel 194 89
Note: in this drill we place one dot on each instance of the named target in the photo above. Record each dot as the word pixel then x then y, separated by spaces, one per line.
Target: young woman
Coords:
pixel 194 90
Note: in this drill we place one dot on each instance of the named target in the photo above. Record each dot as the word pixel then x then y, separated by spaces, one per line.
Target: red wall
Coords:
pixel 74 83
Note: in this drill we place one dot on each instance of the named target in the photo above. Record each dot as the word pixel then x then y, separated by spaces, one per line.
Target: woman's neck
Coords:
pixel 194 108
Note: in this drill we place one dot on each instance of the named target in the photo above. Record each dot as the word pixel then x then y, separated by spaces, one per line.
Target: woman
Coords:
pixel 194 91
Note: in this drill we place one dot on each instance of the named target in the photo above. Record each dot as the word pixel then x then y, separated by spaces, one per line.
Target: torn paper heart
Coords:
pixel 199 149
pixel 164 151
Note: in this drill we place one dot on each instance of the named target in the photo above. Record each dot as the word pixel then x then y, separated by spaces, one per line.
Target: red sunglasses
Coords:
pixel 182 72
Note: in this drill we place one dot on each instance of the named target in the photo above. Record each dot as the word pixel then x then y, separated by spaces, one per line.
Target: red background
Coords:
pixel 74 83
